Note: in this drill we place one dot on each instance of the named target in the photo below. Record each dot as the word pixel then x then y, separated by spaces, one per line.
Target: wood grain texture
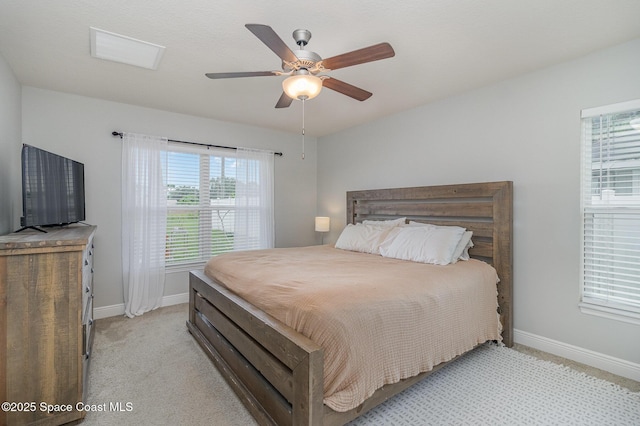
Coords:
pixel 41 283
pixel 484 208
pixel 243 341
pixel 367 54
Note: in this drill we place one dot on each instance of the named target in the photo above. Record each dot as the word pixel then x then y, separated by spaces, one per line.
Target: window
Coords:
pixel 611 211
pixel 206 201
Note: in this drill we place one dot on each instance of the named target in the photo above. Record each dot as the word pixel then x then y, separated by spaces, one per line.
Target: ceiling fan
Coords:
pixel 302 66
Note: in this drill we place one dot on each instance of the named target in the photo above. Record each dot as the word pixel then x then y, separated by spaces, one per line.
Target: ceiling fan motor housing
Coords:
pixel 306 60
pixel 302 37
pixel 305 65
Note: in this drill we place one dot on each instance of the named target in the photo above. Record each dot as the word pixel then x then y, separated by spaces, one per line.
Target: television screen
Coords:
pixel 52 189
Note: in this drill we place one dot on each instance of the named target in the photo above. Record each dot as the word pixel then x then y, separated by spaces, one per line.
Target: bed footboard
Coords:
pixel 275 371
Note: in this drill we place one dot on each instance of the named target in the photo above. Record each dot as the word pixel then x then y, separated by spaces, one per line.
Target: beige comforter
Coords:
pixel 378 320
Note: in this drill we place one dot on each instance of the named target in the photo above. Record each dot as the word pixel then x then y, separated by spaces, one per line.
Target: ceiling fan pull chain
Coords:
pixel 303 129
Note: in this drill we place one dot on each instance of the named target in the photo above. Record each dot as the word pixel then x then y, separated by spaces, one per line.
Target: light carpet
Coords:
pixel 156 374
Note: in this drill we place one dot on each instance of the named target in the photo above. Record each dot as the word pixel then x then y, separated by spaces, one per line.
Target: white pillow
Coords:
pixel 362 238
pixel 391 222
pixel 462 249
pixel 393 233
pixel 423 244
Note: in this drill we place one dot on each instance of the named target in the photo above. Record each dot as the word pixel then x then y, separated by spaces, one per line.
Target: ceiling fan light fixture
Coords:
pixel 302 86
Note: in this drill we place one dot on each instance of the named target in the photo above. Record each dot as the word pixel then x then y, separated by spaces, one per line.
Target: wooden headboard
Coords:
pixel 484 208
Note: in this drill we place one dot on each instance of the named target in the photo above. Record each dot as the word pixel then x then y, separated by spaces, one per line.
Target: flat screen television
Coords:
pixel 52 189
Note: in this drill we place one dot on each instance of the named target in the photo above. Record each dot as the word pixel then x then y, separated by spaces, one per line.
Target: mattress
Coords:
pixel 378 320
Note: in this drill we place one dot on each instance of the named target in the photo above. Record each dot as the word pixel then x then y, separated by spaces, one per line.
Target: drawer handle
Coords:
pixel 86 262
pixel 90 322
pixel 87 290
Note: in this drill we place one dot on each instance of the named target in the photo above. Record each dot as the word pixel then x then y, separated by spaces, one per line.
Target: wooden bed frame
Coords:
pixel 277 372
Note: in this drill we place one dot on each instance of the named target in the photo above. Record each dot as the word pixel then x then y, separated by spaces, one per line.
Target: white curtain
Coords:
pixel 144 219
pixel 254 221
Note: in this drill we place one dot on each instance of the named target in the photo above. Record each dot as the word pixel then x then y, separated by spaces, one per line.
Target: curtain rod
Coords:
pixel 196 143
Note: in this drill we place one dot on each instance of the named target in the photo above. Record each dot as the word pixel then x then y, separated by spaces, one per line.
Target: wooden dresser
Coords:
pixel 46 318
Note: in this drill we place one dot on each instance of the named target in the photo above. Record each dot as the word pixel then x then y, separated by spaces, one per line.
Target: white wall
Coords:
pixel 80 128
pixel 10 143
pixel 527 130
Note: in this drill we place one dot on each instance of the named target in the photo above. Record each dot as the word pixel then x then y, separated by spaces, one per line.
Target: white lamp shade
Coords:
pixel 303 86
pixel 323 224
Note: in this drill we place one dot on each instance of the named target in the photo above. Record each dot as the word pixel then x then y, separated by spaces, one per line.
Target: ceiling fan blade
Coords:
pixel 269 37
pixel 360 56
pixel 215 75
pixel 284 101
pixel 346 89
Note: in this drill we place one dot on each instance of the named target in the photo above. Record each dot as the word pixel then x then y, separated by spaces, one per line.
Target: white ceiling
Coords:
pixel 443 47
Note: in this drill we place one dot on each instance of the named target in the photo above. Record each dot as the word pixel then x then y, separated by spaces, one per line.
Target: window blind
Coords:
pixel 202 207
pixel 611 209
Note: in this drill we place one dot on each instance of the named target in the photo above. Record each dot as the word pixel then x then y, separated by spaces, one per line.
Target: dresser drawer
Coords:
pixel 87 330
pixel 87 274
pixel 46 321
pixel 88 253
pixel 87 343
pixel 87 291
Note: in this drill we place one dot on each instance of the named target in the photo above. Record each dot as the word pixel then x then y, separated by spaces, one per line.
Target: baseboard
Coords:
pixel 594 359
pixel 608 363
pixel 118 310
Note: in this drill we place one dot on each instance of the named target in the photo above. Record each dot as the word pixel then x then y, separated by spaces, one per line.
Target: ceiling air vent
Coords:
pixel 127 50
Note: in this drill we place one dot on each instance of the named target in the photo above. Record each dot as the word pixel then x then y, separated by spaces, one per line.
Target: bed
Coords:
pixel 277 372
